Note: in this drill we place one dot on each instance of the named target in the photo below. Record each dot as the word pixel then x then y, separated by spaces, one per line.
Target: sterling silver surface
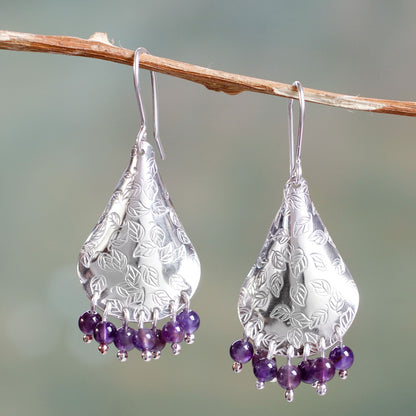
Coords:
pixel 299 290
pixel 138 257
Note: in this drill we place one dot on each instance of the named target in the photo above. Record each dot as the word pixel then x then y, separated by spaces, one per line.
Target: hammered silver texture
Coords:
pixel 299 291
pixel 138 257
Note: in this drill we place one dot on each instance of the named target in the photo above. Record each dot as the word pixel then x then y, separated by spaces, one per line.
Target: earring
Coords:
pixel 299 299
pixel 138 264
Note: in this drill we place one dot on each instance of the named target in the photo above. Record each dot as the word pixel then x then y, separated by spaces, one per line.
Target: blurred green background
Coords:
pixel 67 125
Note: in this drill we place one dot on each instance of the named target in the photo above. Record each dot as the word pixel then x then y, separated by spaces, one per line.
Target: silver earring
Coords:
pixel 138 264
pixel 299 299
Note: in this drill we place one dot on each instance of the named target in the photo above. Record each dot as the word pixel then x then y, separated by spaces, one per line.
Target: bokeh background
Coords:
pixel 66 128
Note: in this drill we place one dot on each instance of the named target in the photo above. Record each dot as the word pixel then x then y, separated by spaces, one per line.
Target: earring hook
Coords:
pixel 296 149
pixel 142 132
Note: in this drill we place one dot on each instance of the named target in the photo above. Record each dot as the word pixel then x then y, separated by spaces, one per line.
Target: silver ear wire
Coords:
pixel 142 132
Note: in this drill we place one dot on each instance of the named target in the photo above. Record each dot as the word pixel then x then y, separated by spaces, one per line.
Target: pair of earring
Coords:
pixel 139 265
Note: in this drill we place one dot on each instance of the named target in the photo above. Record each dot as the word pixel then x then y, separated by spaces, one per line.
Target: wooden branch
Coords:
pixel 98 46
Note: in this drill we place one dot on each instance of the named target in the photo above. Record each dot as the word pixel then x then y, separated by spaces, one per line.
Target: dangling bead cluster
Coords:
pixel 316 372
pixel 149 341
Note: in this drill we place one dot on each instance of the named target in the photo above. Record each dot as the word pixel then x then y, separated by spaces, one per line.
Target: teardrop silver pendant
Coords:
pixel 138 264
pixel 299 299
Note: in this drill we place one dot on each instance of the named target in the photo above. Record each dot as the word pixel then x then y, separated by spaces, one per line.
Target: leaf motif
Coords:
pixel 98 232
pixel 148 275
pixel 119 238
pixel 114 220
pixel 260 299
pixel 157 235
pixel 105 261
pixel 159 207
pixel 86 254
pixel 298 262
pixel 311 338
pixel 302 226
pixel 161 298
pixel 150 189
pixel 319 237
pixel 339 265
pixel 182 237
pixel 318 261
pixel 297 201
pixel 175 219
pixel 245 314
pixel 287 252
pixel 319 318
pixel 132 276
pixel 346 320
pixel 261 261
pixel 166 253
pixel 121 291
pixel 295 337
pixel 137 208
pixel 136 298
pixel 178 283
pixel 98 284
pixel 136 231
pixel 336 302
pixel 298 294
pixel 282 236
pixel 260 280
pixel 281 313
pixel 299 319
pixel 321 287
pixel 276 284
pixel 119 260
pixel 145 249
pixel 179 254
pixel 115 306
pixel 278 261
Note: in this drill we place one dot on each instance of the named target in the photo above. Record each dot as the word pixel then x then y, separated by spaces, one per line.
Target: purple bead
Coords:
pixel 241 351
pixel 259 355
pixel 323 369
pixel 144 339
pixel 265 369
pixel 87 322
pixel 189 320
pixel 342 357
pixel 288 376
pixel 160 342
pixel 124 338
pixel 306 372
pixel 173 332
pixel 105 332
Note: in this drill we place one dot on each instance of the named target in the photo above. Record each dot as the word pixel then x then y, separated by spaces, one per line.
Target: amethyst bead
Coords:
pixel 124 339
pixel 87 322
pixel 265 369
pixel 342 357
pixel 159 341
pixel 306 373
pixel 105 332
pixel 323 369
pixel 173 332
pixel 144 339
pixel 259 355
pixel 288 376
pixel 189 320
pixel 241 351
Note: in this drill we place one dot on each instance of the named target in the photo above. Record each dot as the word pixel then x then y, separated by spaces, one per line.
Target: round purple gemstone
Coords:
pixel 124 338
pixel 342 357
pixel 306 372
pixel 288 376
pixel 241 351
pixel 105 332
pixel 160 342
pixel 144 339
pixel 173 332
pixel 265 369
pixel 189 320
pixel 258 355
pixel 323 369
pixel 87 322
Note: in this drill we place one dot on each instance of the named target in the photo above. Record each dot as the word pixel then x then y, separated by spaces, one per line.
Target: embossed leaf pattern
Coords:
pixel 166 253
pixel 346 319
pixel 137 208
pixel 159 207
pixel 105 261
pixel 136 231
pixel 282 236
pixel 297 201
pixel 245 314
pixel 115 306
pixel 298 294
pixel 278 261
pixel 319 237
pixel 144 249
pixel 178 283
pixel 182 237
pixel 336 302
pixel 281 313
pixel 276 284
pixel 260 280
pixel 302 226
pixel 157 235
pixel 260 298
pixel 114 220
pixel 295 337
pixel 98 284
pixel 298 262
pixel 148 275
pixel 339 265
pixel 321 287
pixel 180 253
pixel 318 261
pixel 299 319
pixel 136 298
pixel 132 276
pixel 311 338
pixel 121 291
pixel 119 260
pixel 161 298
pixel 319 318
pixel 150 189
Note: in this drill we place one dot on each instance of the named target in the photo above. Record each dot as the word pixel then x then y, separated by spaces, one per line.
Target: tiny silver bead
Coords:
pixel 122 356
pixel 176 348
pixel 147 355
pixel 260 385
pixel 314 384
pixel 156 355
pixel 289 395
pixel 103 348
pixel 237 367
pixel 321 389
pixel 87 338
pixel 343 374
pixel 189 338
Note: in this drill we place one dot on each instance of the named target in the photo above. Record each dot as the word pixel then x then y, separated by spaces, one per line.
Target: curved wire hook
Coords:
pixel 295 150
pixel 142 132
